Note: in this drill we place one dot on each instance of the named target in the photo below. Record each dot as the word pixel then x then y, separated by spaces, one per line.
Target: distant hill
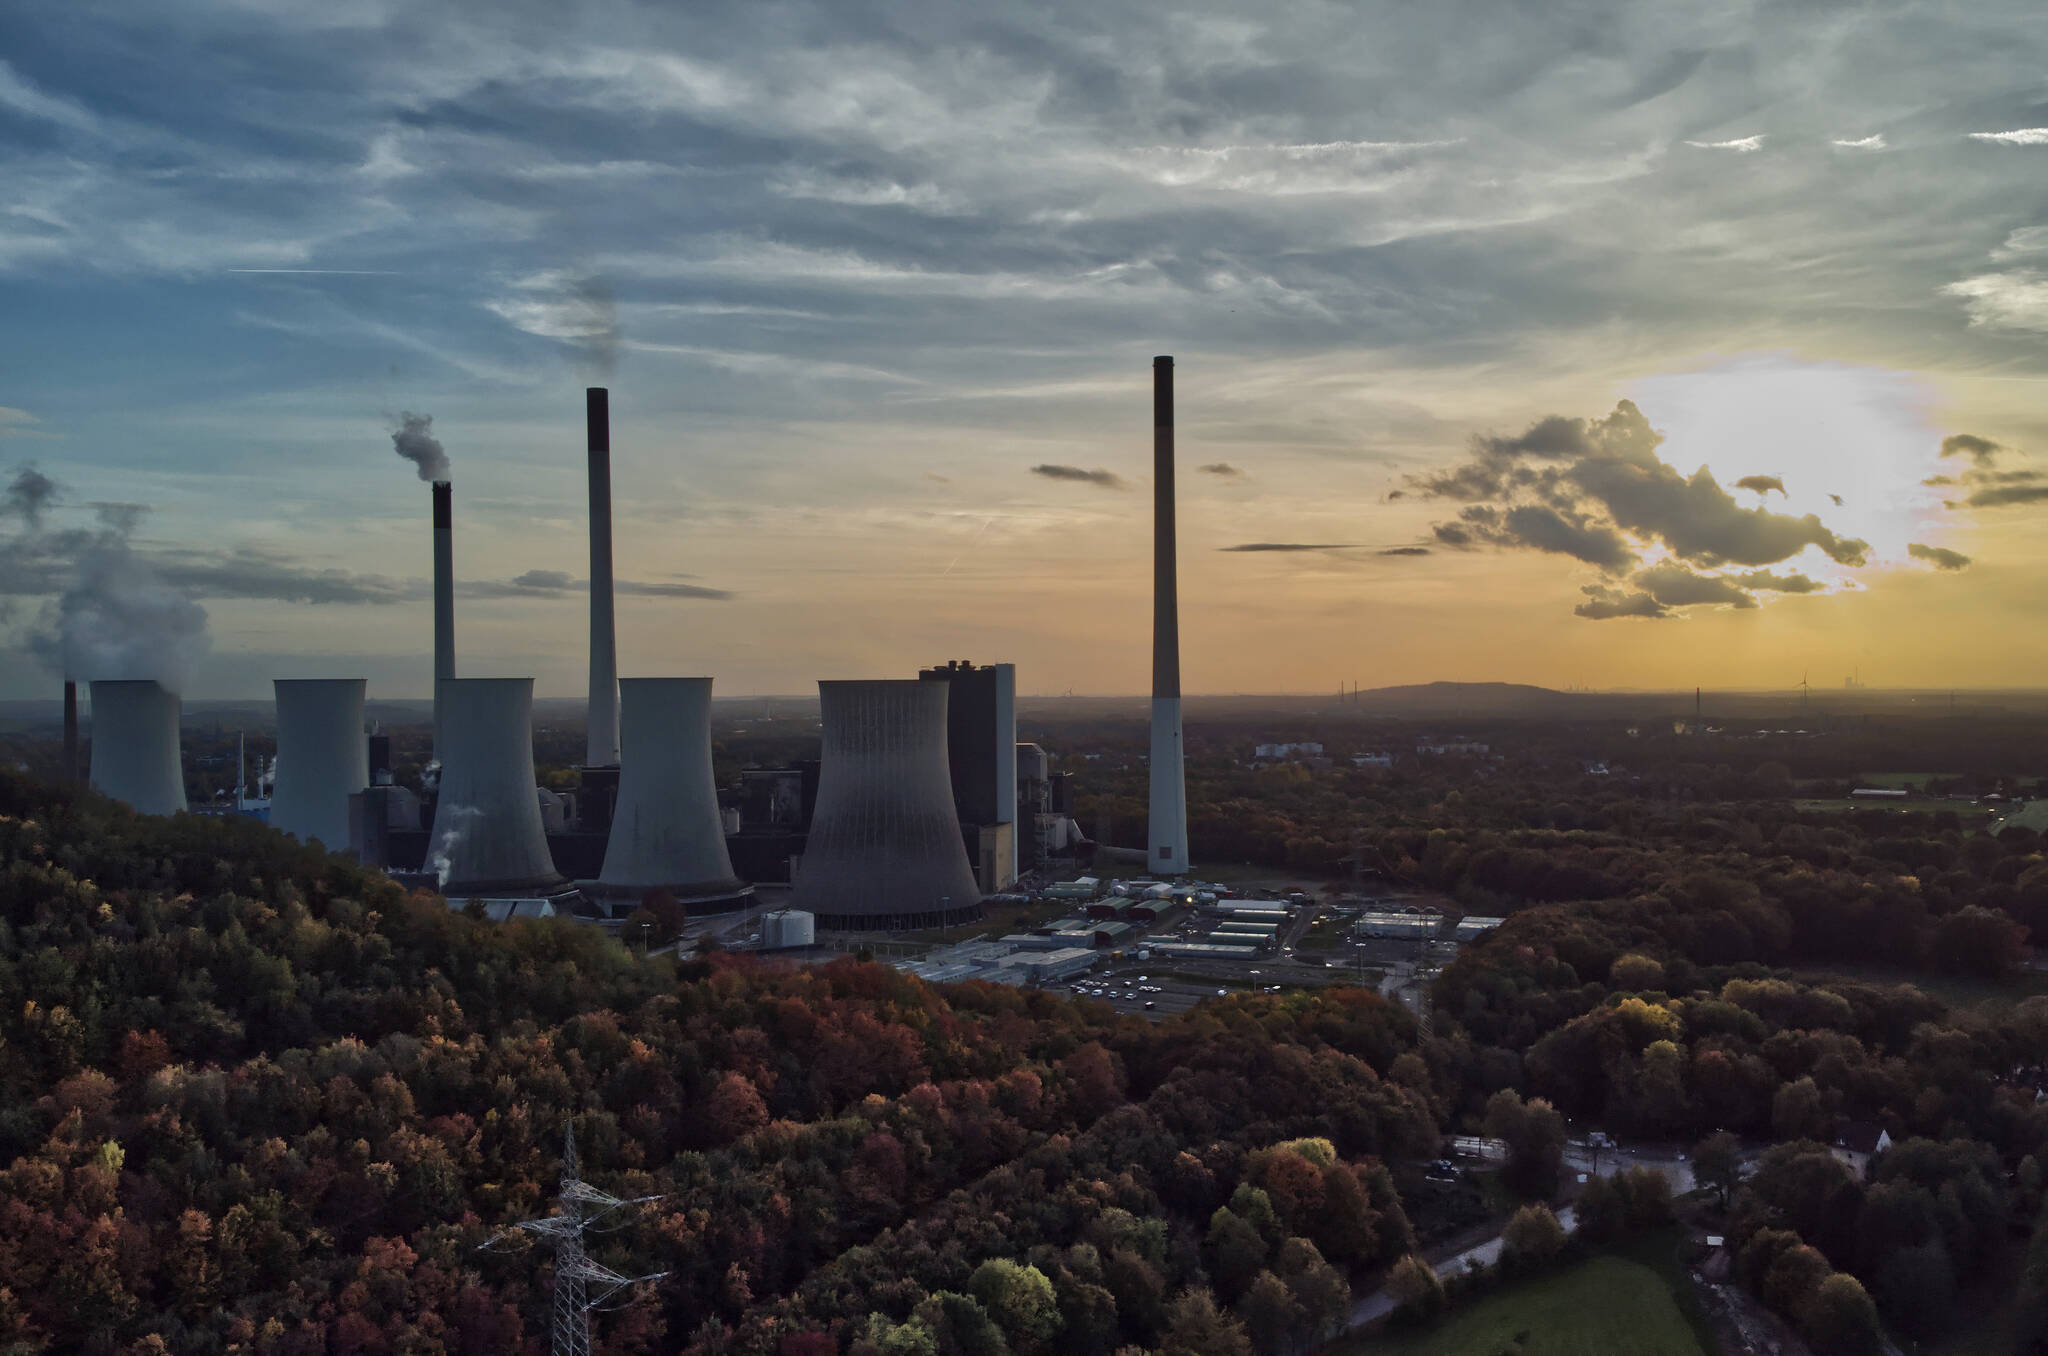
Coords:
pixel 1471 699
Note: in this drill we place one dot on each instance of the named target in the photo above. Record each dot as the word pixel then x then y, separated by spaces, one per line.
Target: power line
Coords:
pixel 581 1284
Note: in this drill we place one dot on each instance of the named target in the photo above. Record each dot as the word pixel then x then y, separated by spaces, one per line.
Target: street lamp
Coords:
pixel 643 938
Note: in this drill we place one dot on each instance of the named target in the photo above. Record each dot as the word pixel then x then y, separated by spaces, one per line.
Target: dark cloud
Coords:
pixel 1940 557
pixel 1763 581
pixel 559 583
pixel 2000 496
pixel 1291 546
pixel 27 495
pixel 1108 480
pixel 1605 604
pixel 1220 468
pixel 1599 491
pixel 1673 585
pixel 1406 551
pixel 1979 450
pixel 251 573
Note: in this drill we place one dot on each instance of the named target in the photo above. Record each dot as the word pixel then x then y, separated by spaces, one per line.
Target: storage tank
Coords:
pixel 323 757
pixel 884 850
pixel 135 745
pixel 487 838
pixel 786 928
pixel 667 833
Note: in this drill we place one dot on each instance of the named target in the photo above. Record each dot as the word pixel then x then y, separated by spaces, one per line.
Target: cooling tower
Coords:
pixel 666 831
pixel 70 731
pixel 1166 850
pixel 884 850
pixel 487 839
pixel 135 746
pixel 602 744
pixel 444 599
pixel 323 758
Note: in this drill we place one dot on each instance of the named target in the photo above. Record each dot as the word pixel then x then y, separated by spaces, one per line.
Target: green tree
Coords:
pixel 1269 1314
pixel 1415 1288
pixel 1021 1301
pixel 1196 1327
pixel 1533 1235
pixel 1840 1320
pixel 1717 1161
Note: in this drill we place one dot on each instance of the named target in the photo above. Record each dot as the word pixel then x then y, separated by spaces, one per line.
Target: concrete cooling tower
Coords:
pixel 135 746
pixel 884 850
pixel 488 841
pixel 666 831
pixel 323 757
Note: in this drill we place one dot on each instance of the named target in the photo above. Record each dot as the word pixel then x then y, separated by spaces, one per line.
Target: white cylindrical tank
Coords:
pixel 135 745
pixel 885 850
pixel 487 837
pixel 667 832
pixel 323 757
pixel 786 928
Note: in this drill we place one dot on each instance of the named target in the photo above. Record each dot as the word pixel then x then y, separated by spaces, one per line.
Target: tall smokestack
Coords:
pixel 602 742
pixel 444 599
pixel 1166 852
pixel 70 730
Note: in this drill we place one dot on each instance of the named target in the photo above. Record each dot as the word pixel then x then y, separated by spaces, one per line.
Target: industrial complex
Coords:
pixel 922 802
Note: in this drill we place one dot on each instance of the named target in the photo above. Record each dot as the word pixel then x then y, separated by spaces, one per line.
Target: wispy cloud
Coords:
pixel 1740 145
pixel 2006 301
pixel 1940 557
pixel 2024 136
pixel 1291 546
pixel 1874 142
pixel 1219 468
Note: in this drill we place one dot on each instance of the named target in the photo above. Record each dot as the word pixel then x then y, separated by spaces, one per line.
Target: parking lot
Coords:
pixel 1152 995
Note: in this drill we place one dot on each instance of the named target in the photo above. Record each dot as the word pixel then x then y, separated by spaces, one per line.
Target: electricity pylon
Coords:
pixel 581 1285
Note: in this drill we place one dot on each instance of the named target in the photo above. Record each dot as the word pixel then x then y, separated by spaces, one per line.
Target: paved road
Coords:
pixel 1379 1303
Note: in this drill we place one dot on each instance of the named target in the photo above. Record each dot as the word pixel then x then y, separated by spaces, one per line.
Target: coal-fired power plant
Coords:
pixel 444 598
pixel 885 850
pixel 666 832
pixel 323 758
pixel 135 746
pixel 1166 852
pixel 488 841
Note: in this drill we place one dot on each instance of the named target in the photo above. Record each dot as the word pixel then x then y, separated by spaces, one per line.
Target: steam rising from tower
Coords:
pixel 1167 849
pixel 602 742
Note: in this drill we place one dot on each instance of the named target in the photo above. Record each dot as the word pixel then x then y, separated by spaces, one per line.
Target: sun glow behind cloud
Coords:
pixel 1861 434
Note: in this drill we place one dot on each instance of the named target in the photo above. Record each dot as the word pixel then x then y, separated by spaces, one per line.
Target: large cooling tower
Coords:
pixel 1166 848
pixel 323 757
pixel 666 831
pixel 487 838
pixel 884 850
pixel 135 746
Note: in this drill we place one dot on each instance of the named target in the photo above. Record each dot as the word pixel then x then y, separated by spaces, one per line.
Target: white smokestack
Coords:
pixel 1166 849
pixel 135 745
pixel 601 747
pixel 666 831
pixel 488 838
pixel 444 600
pixel 323 757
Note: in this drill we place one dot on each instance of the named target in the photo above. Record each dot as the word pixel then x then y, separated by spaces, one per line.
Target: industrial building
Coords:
pixel 1412 926
pixel 1472 927
pixel 981 761
pixel 784 929
pixel 884 850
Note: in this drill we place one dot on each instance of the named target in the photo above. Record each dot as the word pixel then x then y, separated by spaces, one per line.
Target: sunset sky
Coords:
pixel 877 286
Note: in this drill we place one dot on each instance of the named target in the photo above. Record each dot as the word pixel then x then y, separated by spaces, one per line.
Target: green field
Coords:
pixel 1608 1306
pixel 2033 815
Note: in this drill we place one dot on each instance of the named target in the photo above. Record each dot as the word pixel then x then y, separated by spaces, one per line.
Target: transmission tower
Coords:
pixel 581 1285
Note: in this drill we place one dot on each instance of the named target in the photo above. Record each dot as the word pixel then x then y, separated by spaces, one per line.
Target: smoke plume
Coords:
pixel 116 617
pixel 414 440
pixel 28 494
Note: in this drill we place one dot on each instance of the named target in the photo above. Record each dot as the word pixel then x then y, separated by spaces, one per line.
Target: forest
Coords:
pixel 255 1099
